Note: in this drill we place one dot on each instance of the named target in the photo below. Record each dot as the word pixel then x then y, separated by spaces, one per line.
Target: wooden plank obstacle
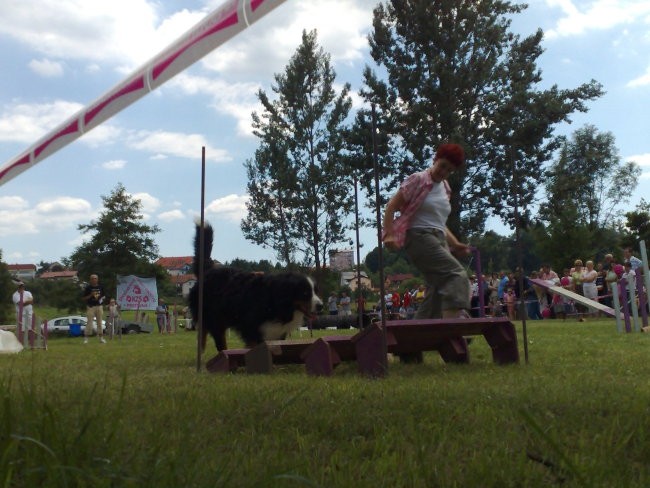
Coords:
pixel 574 296
pixel 403 337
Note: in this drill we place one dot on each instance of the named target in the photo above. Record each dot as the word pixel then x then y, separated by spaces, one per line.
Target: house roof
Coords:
pixel 180 279
pixel 58 274
pixel 18 267
pixel 175 262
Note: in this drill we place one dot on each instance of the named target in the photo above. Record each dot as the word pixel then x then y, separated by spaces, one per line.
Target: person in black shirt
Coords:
pixel 93 295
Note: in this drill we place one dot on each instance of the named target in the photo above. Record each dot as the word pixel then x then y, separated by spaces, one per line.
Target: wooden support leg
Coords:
pixel 259 359
pixel 502 338
pixel 371 356
pixel 226 361
pixel 320 359
pixel 454 350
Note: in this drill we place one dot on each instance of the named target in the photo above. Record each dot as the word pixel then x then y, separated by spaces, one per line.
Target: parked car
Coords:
pixel 61 325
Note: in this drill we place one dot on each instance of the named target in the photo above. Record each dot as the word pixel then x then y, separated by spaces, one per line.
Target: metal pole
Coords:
pixel 617 306
pixel 646 278
pixel 382 300
pixel 624 304
pixel 356 226
pixel 481 285
pixel 520 257
pixel 199 319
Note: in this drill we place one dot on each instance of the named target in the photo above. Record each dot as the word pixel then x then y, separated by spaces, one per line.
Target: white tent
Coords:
pixel 8 343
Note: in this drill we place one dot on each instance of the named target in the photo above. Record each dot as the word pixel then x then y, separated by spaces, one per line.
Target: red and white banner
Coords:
pixel 218 27
pixel 135 293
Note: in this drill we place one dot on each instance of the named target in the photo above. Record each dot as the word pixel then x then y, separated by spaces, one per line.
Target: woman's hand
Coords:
pixel 389 241
pixel 461 249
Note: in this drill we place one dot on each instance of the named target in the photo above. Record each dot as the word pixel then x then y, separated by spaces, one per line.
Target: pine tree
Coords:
pixel 299 186
pixel 452 71
pixel 120 243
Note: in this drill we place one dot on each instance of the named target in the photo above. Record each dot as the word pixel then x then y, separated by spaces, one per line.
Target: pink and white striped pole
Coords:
pixel 215 29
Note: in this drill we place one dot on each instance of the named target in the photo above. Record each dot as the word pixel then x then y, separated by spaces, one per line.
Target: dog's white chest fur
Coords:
pixel 274 330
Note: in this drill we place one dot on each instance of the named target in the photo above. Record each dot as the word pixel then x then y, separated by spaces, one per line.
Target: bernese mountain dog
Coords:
pixel 257 306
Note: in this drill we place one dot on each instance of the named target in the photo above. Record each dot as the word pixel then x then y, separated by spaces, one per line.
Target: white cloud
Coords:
pixel 114 165
pixel 94 31
pixel 176 144
pixel 642 80
pixel 150 204
pixel 237 100
pixel 17 217
pixel 46 68
pixel 13 203
pixel 231 207
pixel 171 215
pixel 26 122
pixel 597 15
pixel 269 50
pixel 642 160
pixel 102 135
pixel 63 205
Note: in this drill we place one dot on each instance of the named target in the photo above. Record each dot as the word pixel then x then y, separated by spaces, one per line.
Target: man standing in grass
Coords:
pixel 23 301
pixel 93 295
pixel 345 304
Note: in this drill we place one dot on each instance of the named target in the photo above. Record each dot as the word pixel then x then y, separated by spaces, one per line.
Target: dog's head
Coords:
pixel 306 297
pixel 301 291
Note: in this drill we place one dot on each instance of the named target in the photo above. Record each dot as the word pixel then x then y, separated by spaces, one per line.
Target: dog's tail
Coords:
pixel 207 247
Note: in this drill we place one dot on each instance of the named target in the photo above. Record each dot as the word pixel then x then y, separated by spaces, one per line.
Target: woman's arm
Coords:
pixel 456 246
pixel 590 276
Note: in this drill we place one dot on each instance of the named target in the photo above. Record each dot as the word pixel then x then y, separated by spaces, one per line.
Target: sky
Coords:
pixel 56 57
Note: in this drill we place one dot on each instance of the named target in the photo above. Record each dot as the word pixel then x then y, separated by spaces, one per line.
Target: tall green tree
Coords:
pixel 584 189
pixel 588 182
pixel 299 187
pixel 120 243
pixel 494 250
pixel 452 71
pixel 637 226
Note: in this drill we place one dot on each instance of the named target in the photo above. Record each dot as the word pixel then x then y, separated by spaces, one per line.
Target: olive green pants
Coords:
pixel 447 281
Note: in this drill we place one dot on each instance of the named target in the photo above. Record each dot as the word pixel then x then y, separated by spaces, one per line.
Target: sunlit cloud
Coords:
pixel 114 165
pixel 150 204
pixel 171 215
pixel 598 15
pixel 26 122
pixel 231 207
pixel 46 68
pixel 19 217
pixel 177 144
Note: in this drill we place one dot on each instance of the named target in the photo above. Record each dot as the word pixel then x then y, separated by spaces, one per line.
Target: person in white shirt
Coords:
pixel 629 274
pixel 630 277
pixel 344 302
pixel 634 261
pixel 23 301
pixel 589 275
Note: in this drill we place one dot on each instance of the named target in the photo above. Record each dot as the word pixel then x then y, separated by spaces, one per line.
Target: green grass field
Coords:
pixel 135 413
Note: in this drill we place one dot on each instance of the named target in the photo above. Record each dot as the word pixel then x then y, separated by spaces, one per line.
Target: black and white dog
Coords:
pixel 258 306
